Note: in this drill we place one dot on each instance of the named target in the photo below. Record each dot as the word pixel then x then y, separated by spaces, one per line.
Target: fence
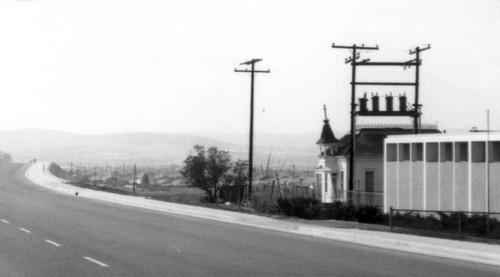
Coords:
pixel 455 223
pixel 271 191
pixel 362 198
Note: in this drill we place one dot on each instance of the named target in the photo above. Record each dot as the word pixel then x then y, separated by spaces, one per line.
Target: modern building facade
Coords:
pixel 443 172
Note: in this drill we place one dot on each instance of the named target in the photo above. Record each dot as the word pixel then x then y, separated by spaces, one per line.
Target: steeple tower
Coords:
pixel 328 143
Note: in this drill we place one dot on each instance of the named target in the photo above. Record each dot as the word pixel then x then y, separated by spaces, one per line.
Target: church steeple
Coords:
pixel 327 136
pixel 327 142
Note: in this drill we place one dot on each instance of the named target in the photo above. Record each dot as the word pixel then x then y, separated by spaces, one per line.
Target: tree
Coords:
pixel 240 172
pixel 5 157
pixel 145 179
pixel 207 170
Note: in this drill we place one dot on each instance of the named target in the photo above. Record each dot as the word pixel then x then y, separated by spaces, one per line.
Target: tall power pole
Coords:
pixel 415 113
pixel 416 119
pixel 252 72
pixel 355 56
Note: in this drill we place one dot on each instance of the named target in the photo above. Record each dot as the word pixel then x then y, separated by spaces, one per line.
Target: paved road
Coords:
pixel 47 234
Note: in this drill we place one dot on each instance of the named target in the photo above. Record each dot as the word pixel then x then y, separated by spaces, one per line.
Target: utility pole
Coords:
pixel 252 72
pixel 133 184
pixel 488 172
pixel 416 119
pixel 355 56
pixel 116 177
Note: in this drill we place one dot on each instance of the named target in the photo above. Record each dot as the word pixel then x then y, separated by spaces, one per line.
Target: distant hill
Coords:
pixel 152 148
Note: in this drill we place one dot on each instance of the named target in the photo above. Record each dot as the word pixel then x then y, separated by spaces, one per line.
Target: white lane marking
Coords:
pixel 5 221
pixel 178 250
pixel 25 230
pixel 53 243
pixel 96 261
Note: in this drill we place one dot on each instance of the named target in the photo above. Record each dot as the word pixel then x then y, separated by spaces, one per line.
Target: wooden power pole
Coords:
pixel 133 184
pixel 415 113
pixel 355 55
pixel 252 72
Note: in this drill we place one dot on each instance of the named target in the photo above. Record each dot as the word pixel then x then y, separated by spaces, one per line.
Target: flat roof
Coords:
pixel 473 136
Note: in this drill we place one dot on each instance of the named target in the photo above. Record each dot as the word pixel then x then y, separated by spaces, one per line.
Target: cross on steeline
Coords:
pixel 324 108
pixel 252 71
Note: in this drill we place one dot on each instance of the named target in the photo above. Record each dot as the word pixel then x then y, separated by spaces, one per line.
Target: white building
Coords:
pixel 330 173
pixel 442 172
pixel 368 180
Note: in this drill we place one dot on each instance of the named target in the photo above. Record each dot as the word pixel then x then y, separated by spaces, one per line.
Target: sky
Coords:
pixel 111 66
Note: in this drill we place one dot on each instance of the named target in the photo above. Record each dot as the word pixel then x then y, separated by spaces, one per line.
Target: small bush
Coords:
pixel 57 171
pixel 262 205
pixel 370 214
pixel 339 211
pixel 303 207
pixel 495 231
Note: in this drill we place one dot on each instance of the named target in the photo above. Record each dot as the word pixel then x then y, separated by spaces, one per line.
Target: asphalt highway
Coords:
pixel 43 233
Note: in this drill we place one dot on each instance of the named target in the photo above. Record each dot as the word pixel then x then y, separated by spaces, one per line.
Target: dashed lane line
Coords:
pixel 5 221
pixel 25 230
pixel 96 261
pixel 53 243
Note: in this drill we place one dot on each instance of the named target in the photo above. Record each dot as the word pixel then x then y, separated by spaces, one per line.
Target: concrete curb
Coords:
pixel 458 250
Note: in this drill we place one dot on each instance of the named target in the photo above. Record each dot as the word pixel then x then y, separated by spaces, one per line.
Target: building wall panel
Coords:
pixel 417 185
pixel 462 186
pixel 404 185
pixel 392 185
pixel 432 186
pixel 478 176
pixel 446 180
pixel 495 187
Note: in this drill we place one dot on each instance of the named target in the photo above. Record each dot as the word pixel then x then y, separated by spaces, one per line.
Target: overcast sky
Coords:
pixel 99 66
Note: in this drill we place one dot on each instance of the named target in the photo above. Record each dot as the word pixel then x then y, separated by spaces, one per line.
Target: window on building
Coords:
pixel 319 179
pixel 494 155
pixel 326 185
pixel 461 152
pixel 432 152
pixel 330 151
pixel 370 181
pixel 404 152
pixel 342 182
pixel 418 151
pixel 478 151
pixel 392 152
pixel 446 152
pixel 334 181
